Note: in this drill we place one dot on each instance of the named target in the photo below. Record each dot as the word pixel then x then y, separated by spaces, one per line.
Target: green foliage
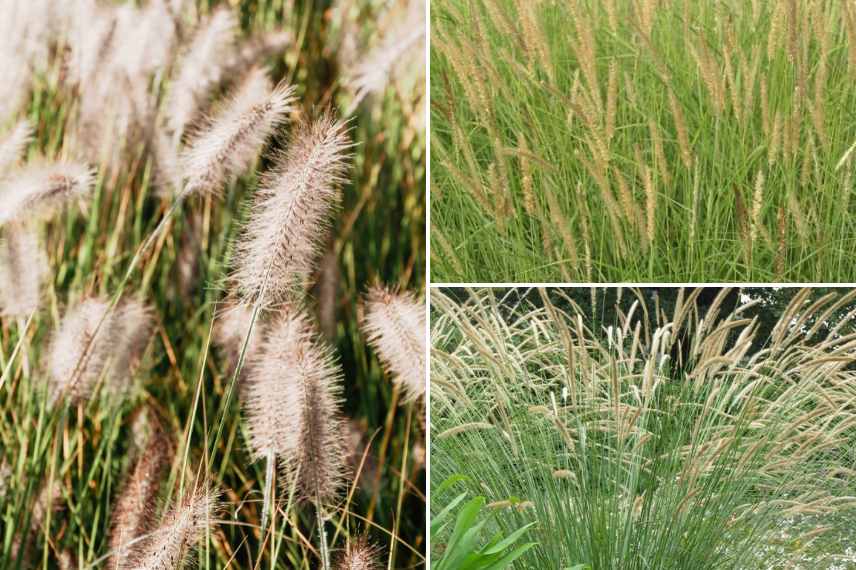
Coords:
pixel 630 460
pixel 616 141
pixel 460 549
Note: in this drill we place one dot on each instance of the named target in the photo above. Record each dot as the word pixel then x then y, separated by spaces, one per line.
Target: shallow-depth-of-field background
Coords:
pixel 647 428
pixel 642 141
pixel 62 468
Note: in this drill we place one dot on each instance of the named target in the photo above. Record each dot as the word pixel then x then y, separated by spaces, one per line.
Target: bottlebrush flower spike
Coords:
pixel 360 555
pixel 133 514
pixel 13 144
pixel 200 69
pixel 405 35
pixel 290 215
pixel 229 142
pixel 5 476
pixel 23 266
pixel 41 189
pixel 292 406
pixel 93 342
pixel 135 327
pixel 80 349
pixel 394 324
pixel 184 526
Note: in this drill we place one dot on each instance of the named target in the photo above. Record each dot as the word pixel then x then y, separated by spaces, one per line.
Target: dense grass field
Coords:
pixel 643 141
pixel 115 88
pixel 636 429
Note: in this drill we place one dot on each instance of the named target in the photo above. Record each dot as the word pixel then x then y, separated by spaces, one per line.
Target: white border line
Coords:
pixel 428 284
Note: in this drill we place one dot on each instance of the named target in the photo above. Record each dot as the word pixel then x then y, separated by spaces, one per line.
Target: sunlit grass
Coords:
pixel 642 141
pixel 80 453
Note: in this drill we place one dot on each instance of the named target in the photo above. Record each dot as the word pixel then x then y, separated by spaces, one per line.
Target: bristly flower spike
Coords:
pixel 184 527
pixel 23 267
pixel 12 145
pixel 95 342
pixel 290 216
pixel 360 555
pixel 292 405
pixel 133 514
pixel 39 190
pixel 394 324
pixel 292 402
pixel 230 141
pixel 200 68
pixel 405 35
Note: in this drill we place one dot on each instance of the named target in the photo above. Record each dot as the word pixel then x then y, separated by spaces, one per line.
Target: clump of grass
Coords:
pixel 158 119
pixel 665 439
pixel 668 112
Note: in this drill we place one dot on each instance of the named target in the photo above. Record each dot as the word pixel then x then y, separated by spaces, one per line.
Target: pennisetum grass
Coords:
pixel 199 69
pixel 38 190
pixel 172 543
pixel 227 145
pixel 591 93
pixel 394 324
pixel 291 214
pixel 133 516
pixel 359 555
pixel 13 143
pixel 95 343
pixel 401 48
pixel 292 401
pixel 664 435
pixel 135 112
pixel 23 269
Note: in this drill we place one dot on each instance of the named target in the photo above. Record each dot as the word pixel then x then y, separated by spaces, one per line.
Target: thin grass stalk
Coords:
pixel 267 497
pixel 322 535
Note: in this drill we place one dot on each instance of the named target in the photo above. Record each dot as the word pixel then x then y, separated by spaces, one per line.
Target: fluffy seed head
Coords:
pixel 15 85
pixel 360 555
pixel 5 475
pixel 13 144
pixel 757 203
pixel 184 526
pixel 292 406
pixel 23 266
pixel 200 69
pixel 232 139
pixel 403 43
pixel 80 349
pixel 41 189
pixel 134 333
pixel 290 215
pixel 133 513
pixel 394 324
pixel 650 205
pixel 93 342
pixel 144 39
